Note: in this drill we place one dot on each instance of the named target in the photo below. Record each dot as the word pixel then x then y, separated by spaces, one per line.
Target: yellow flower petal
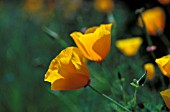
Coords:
pixel 166 97
pixel 149 67
pixel 95 43
pixel 68 70
pixel 129 46
pixel 154 20
pixel 164 64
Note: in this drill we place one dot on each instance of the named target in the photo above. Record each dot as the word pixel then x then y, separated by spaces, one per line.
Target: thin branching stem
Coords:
pixel 112 100
pixel 149 41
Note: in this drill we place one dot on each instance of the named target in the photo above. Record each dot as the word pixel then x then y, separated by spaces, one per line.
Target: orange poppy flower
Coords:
pixel 68 70
pixel 129 46
pixel 154 20
pixel 166 97
pixel 164 64
pixel 149 67
pixel 95 43
pixel 164 2
pixel 33 5
pixel 104 5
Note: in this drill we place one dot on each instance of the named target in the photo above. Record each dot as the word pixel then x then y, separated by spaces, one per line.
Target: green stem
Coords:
pixel 134 97
pixel 146 32
pixel 111 18
pixel 149 41
pixel 107 97
pixel 165 41
pixel 123 93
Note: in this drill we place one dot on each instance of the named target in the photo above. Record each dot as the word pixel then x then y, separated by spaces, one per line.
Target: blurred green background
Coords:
pixel 33 32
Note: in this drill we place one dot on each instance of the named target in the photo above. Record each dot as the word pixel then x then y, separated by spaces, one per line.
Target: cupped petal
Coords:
pixel 80 45
pixel 71 83
pixel 88 41
pixel 166 97
pixel 95 43
pixel 129 46
pixel 154 20
pixel 68 70
pixel 149 67
pixel 99 49
pixel 164 64
pixel 91 30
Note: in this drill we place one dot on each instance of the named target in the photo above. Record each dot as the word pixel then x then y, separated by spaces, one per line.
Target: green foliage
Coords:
pixel 29 42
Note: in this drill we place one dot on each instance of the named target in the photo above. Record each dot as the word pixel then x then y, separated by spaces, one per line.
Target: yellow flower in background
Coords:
pixel 154 20
pixel 129 46
pixel 164 2
pixel 33 5
pixel 68 70
pixel 149 67
pixel 104 5
pixel 95 43
pixel 164 64
pixel 166 97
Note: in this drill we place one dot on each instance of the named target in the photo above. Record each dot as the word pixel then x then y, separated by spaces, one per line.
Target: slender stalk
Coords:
pixel 123 92
pixel 134 97
pixel 107 97
pixel 165 41
pixel 111 18
pixel 149 41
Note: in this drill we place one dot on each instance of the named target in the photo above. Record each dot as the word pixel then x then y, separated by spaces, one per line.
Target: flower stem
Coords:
pixel 134 97
pixel 165 40
pixel 149 41
pixel 107 97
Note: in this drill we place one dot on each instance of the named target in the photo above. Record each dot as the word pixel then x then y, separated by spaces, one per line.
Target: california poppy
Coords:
pixel 68 70
pixel 166 97
pixel 129 46
pixel 33 5
pixel 149 67
pixel 104 5
pixel 164 64
pixel 164 2
pixel 154 20
pixel 95 43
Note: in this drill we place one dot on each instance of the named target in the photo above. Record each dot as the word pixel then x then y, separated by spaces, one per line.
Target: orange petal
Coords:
pixel 166 97
pixel 91 30
pixel 154 20
pixel 68 70
pixel 149 67
pixel 95 44
pixel 164 2
pixel 164 64
pixel 80 45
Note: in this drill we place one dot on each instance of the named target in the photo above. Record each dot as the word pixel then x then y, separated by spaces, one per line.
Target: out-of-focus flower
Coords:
pixel 164 64
pixel 166 97
pixel 149 67
pixel 95 43
pixel 164 2
pixel 69 7
pixel 151 48
pixel 50 4
pixel 104 5
pixel 33 6
pixel 154 20
pixel 68 70
pixel 129 46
